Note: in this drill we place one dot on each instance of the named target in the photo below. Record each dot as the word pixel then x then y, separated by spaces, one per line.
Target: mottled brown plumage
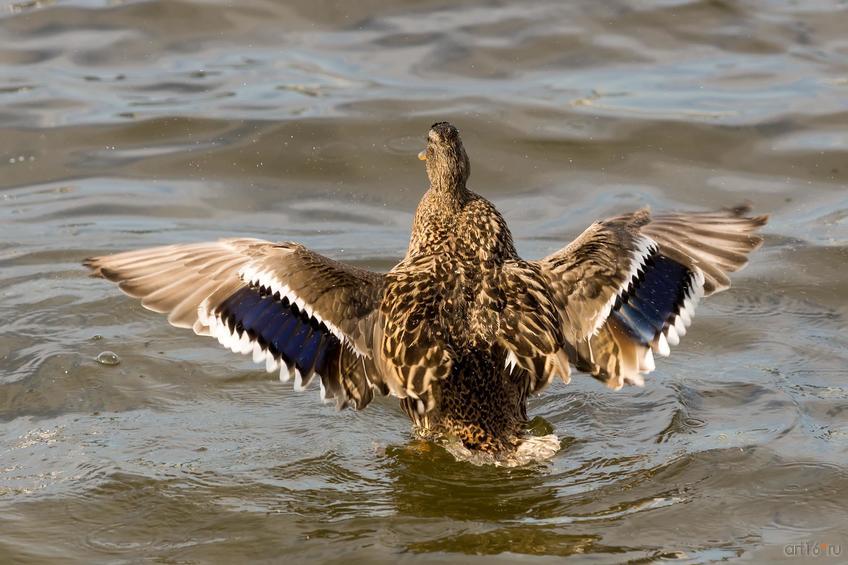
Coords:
pixel 462 329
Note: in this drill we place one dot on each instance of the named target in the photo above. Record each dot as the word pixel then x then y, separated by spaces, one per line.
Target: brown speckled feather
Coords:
pixel 462 329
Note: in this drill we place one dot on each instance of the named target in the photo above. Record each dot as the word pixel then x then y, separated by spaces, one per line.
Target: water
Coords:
pixel 131 124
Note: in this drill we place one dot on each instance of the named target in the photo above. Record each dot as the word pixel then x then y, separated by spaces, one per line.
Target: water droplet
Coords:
pixel 108 358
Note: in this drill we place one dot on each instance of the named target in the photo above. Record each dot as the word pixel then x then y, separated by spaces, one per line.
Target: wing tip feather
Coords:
pixel 95 265
pixel 742 210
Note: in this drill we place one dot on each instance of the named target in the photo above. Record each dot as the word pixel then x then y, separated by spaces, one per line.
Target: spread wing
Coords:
pixel 297 311
pixel 628 286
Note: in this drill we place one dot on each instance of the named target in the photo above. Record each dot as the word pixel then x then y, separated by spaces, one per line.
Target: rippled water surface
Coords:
pixel 132 124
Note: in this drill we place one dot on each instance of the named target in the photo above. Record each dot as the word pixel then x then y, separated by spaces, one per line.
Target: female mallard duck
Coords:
pixel 462 329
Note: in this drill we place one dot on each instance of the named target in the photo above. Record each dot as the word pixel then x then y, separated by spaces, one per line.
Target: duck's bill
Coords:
pixel 423 155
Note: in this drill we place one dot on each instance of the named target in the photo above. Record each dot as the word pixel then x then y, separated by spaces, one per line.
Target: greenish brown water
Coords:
pixel 131 124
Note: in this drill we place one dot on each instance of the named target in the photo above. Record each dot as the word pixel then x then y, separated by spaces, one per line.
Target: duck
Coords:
pixel 462 331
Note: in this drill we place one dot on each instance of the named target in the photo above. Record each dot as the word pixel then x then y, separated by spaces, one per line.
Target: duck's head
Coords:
pixel 447 162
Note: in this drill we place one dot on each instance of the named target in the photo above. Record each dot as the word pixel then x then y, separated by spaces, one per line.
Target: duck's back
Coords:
pixel 441 310
pixel 456 255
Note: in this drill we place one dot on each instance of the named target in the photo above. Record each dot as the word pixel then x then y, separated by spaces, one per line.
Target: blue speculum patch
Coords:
pixel 278 325
pixel 653 298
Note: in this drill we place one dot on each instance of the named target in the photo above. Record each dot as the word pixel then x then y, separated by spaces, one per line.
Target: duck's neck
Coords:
pixel 434 226
pixel 448 171
pixel 449 196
